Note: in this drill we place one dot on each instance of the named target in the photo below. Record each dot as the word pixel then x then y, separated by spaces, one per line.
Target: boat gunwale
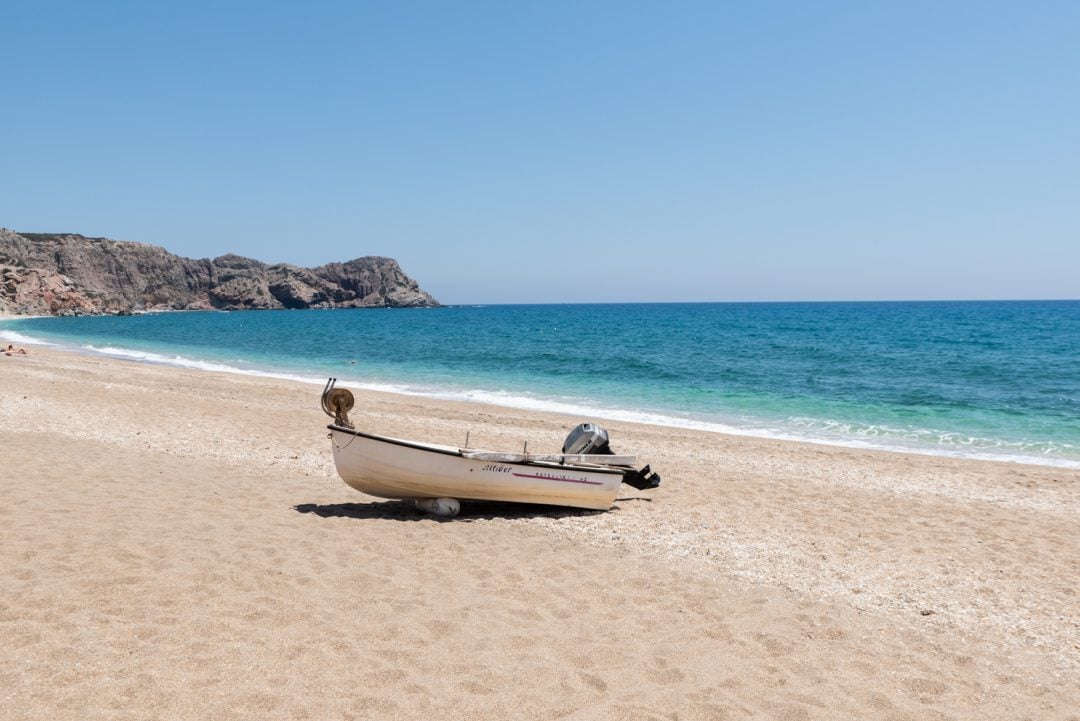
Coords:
pixel 445 450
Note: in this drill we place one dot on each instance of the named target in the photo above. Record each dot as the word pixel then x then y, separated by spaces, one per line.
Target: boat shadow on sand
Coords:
pixel 470 510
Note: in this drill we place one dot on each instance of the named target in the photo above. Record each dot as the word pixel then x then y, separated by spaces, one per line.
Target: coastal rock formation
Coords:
pixel 69 274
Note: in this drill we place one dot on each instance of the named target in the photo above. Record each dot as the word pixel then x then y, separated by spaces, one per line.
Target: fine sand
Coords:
pixel 177 545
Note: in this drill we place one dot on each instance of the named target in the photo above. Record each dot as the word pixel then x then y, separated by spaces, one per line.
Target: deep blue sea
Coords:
pixel 996 380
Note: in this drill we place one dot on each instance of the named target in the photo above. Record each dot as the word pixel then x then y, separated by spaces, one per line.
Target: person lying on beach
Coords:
pixel 11 350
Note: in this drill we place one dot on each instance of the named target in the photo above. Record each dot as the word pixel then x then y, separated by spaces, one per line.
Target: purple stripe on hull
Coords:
pixel 561 480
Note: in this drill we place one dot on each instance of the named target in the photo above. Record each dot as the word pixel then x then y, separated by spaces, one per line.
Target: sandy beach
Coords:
pixel 177 545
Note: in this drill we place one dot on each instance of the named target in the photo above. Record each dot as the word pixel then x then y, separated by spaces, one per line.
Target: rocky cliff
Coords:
pixel 65 274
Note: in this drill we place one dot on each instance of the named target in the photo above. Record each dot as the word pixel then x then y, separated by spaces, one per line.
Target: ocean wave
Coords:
pixel 866 437
pixel 937 442
pixel 179 361
pixel 14 337
pixel 159 358
pixel 802 429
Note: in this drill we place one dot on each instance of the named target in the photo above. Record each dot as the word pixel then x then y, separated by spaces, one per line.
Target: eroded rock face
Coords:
pixel 46 273
pixel 27 291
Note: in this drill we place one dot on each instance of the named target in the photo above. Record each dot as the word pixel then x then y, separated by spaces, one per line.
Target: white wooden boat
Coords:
pixel 437 475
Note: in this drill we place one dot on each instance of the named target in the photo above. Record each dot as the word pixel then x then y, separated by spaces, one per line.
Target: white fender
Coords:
pixel 448 507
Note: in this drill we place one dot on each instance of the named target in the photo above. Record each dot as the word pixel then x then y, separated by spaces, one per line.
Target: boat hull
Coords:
pixel 392 468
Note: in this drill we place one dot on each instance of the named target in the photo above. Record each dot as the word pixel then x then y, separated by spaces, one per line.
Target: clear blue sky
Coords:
pixel 565 151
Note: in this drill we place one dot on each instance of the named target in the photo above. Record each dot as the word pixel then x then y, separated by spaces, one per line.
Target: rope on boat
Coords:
pixel 337 402
pixel 341 448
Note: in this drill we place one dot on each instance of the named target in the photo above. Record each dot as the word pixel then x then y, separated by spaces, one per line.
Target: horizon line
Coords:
pixel 761 302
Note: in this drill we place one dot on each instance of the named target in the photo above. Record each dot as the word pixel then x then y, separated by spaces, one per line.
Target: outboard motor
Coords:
pixel 587 439
pixel 591 439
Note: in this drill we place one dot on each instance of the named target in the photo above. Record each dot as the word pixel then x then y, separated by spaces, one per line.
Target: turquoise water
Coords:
pixel 981 379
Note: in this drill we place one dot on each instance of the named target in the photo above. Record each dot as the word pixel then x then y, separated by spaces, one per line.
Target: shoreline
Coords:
pixel 543 404
pixel 170 527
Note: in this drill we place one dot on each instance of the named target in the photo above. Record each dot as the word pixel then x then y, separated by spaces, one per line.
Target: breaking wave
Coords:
pixel 918 378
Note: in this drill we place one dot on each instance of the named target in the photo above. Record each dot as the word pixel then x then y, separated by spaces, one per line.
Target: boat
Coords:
pixel 586 474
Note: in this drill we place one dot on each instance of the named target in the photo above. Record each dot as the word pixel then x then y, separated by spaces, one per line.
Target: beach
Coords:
pixel 177 544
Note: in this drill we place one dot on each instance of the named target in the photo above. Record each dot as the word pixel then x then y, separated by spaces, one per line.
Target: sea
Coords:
pixel 988 380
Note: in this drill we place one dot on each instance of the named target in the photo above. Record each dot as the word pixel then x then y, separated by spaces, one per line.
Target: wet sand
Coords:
pixel 176 544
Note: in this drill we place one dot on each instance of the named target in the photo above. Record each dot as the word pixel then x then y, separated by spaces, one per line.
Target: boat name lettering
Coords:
pixel 553 477
pixel 496 468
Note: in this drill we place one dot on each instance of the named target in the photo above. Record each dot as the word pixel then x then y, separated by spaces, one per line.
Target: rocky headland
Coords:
pixel 70 274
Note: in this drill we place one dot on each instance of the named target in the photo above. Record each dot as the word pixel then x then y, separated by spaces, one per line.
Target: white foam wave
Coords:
pixel 816 431
pixel 158 358
pixel 14 337
pixel 869 438
pixel 933 442
pixel 180 361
